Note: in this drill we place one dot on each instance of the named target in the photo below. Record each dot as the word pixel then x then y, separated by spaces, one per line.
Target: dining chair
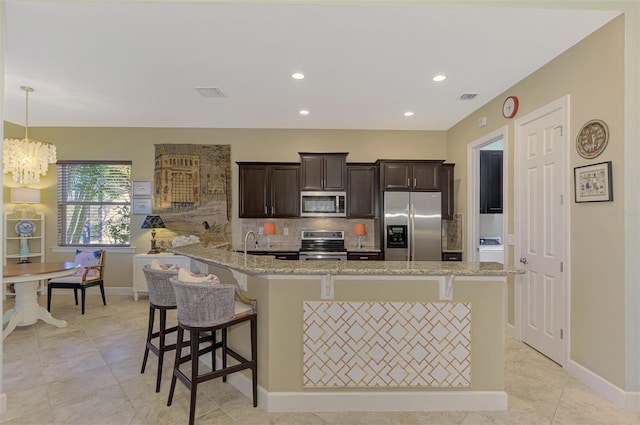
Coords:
pixel 90 273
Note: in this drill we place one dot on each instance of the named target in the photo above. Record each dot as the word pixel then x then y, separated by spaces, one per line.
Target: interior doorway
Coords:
pixel 487 198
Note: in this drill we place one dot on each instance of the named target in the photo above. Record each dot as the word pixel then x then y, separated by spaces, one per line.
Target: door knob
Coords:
pixel 523 260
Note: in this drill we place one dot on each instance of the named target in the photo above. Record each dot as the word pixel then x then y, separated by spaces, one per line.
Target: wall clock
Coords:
pixel 592 139
pixel 510 107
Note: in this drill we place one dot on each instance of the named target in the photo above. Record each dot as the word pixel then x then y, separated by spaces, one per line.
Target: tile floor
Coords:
pixel 89 373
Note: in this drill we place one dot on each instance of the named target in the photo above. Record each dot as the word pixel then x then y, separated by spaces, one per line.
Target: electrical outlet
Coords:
pixel 261 230
pixel 286 231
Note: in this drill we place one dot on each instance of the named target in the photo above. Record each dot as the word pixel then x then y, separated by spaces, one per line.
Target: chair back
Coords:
pixel 160 290
pixel 203 304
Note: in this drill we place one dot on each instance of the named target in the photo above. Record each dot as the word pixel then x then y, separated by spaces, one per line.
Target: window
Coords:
pixel 94 203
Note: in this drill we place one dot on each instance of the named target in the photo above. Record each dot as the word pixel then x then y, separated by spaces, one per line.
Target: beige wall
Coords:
pixel 592 73
pixel 137 145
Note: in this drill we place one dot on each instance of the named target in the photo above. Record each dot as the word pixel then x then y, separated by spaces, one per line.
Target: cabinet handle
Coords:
pixel 364 258
pixel 273 210
pixel 414 182
pixel 408 181
pixel 265 210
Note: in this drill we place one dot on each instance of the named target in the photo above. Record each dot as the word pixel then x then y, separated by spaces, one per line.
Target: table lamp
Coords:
pixel 153 222
pixel 23 197
pixel 269 229
pixel 359 230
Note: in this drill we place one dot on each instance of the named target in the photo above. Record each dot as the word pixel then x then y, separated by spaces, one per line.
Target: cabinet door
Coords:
pixel 285 193
pixel 491 182
pixel 334 172
pixel 361 191
pixel 312 167
pixel 254 181
pixel 396 175
pixel 426 177
pixel 446 187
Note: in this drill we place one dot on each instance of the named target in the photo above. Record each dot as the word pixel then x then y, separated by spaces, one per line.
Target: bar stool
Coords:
pixel 206 307
pixel 161 299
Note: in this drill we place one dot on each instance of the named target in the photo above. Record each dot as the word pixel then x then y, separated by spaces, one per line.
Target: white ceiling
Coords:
pixel 132 64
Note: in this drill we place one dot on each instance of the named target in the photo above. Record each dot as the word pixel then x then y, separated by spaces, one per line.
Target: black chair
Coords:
pixel 93 275
pixel 206 307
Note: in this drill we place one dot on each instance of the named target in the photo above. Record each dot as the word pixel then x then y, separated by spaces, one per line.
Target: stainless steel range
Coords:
pixel 323 245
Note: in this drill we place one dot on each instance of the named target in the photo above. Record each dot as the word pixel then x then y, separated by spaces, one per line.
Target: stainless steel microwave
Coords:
pixel 323 204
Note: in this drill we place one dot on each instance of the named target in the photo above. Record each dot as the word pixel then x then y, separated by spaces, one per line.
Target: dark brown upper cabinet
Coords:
pixel 269 190
pixel 416 176
pixel 490 182
pixel 446 187
pixel 361 190
pixel 323 171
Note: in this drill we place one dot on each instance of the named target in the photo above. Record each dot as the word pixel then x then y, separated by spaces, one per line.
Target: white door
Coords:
pixel 542 179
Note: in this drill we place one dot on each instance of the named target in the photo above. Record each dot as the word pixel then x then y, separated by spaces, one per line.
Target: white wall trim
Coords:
pixel 117 249
pixel 473 189
pixel 627 400
pixel 368 401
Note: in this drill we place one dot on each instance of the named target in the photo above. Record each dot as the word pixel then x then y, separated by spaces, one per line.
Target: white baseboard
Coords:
pixel 368 401
pixel 625 399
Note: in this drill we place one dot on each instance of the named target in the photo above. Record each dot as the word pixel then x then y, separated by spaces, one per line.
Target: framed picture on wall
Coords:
pixel 592 183
pixel 141 188
pixel 142 206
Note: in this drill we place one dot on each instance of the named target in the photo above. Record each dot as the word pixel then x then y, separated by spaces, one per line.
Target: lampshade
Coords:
pixel 26 159
pixel 359 229
pixel 153 222
pixel 25 195
pixel 269 228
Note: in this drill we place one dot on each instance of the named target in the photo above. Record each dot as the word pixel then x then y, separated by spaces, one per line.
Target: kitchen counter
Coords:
pixel 370 335
pixel 266 265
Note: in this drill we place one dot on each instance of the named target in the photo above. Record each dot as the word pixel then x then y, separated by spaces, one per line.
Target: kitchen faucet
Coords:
pixel 246 236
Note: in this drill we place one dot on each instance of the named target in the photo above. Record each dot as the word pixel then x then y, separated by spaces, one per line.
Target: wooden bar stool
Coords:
pixel 207 307
pixel 161 299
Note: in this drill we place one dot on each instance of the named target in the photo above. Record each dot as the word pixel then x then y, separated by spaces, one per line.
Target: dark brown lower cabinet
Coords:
pixel 363 256
pixel 451 256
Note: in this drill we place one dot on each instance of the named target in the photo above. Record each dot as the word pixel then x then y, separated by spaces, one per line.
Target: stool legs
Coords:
pixel 162 345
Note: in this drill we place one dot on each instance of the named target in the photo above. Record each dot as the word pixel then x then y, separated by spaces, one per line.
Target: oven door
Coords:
pixel 323 256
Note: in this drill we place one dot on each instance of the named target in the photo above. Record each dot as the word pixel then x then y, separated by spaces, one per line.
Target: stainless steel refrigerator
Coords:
pixel 412 226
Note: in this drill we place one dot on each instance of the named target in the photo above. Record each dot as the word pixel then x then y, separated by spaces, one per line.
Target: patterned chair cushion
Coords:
pixel 85 259
pixel 157 265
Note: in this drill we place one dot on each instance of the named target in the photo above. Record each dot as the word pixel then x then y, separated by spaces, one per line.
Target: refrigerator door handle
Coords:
pixel 410 233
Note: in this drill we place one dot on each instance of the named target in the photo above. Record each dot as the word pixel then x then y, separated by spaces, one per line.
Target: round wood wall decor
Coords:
pixel 592 139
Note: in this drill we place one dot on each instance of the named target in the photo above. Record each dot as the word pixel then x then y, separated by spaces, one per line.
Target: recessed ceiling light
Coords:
pixel 439 77
pixel 297 75
pixel 408 114
pixel 304 112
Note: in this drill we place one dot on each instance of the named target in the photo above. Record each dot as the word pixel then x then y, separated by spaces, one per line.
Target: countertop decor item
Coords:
pixel 592 139
pixel 269 229
pixel 153 222
pixel 359 230
pixel 27 159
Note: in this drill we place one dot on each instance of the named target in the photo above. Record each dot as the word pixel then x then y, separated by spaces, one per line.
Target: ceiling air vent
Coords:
pixel 468 96
pixel 210 92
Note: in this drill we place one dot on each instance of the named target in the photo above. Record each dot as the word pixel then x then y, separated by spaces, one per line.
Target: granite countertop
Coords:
pixel 258 265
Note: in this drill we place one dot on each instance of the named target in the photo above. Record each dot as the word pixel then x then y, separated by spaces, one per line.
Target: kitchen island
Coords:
pixel 371 335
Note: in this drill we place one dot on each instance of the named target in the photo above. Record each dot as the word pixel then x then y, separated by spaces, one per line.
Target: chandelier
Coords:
pixel 27 159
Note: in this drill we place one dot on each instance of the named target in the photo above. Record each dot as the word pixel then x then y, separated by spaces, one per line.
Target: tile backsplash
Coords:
pixel 295 226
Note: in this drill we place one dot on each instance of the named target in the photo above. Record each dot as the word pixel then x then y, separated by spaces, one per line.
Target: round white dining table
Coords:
pixel 25 277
